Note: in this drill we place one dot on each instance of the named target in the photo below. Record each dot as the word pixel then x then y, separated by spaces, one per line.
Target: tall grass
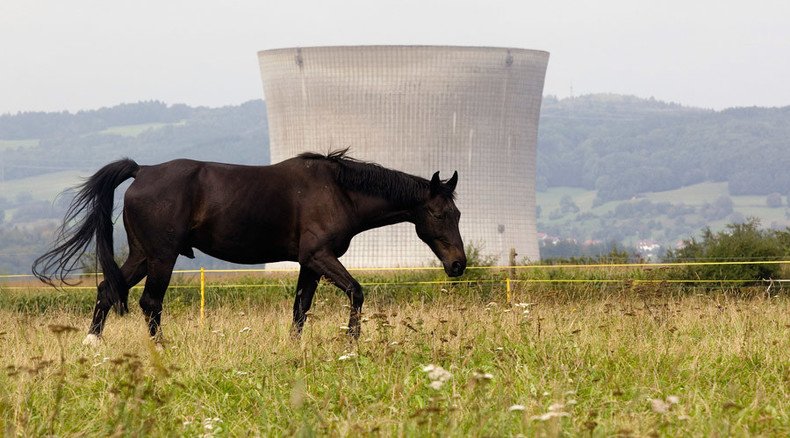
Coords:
pixel 573 360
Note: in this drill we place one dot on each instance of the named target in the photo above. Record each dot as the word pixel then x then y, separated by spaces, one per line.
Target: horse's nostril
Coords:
pixel 457 268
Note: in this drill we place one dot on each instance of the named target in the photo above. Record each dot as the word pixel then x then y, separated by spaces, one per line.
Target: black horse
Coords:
pixel 305 209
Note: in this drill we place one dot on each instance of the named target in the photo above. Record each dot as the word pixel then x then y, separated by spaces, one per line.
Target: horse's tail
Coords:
pixel 89 215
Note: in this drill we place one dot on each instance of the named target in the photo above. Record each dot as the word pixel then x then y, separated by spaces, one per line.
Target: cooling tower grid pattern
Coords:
pixel 420 109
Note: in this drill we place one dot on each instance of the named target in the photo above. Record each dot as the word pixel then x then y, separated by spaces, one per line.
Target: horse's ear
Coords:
pixel 452 182
pixel 436 183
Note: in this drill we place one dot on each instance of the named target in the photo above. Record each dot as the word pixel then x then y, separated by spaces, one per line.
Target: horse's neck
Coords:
pixel 375 212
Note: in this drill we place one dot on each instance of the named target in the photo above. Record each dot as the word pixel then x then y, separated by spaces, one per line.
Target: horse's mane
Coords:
pixel 375 179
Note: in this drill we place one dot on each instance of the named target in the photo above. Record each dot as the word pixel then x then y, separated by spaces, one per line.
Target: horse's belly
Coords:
pixel 252 248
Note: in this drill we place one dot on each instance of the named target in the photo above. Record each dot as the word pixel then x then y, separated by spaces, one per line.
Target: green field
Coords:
pixel 696 196
pixel 42 187
pixel 626 360
pixel 135 130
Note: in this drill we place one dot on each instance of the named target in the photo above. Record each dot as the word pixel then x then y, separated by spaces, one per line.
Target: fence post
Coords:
pixel 202 294
pixel 512 261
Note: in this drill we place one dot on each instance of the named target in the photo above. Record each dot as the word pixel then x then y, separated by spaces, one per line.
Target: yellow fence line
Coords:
pixel 435 282
pixel 428 268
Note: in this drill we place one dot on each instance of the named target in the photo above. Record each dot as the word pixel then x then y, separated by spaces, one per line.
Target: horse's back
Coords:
pixel 244 214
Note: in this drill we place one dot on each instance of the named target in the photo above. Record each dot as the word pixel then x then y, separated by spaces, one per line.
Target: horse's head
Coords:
pixel 437 225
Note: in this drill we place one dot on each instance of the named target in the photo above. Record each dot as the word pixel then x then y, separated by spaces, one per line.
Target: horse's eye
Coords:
pixel 437 216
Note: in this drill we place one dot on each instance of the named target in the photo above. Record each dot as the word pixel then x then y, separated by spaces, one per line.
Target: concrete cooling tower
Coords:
pixel 420 109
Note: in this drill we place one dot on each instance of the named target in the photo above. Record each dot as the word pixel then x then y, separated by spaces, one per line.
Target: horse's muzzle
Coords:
pixel 456 269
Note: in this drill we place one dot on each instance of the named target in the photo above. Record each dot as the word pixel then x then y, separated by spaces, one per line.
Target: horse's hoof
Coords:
pixel 91 340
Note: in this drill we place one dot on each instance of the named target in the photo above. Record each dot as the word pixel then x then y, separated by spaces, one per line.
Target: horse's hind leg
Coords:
pixel 159 273
pixel 133 270
pixel 305 289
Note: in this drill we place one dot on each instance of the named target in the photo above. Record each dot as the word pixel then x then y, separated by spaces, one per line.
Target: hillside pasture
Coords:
pixel 44 187
pixel 136 130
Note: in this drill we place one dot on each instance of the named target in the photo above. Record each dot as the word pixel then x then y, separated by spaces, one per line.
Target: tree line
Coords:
pixel 622 146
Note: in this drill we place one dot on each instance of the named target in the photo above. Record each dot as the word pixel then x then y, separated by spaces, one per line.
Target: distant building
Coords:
pixel 420 109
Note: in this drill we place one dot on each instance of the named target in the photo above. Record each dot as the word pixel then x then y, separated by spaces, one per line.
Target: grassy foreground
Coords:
pixel 629 363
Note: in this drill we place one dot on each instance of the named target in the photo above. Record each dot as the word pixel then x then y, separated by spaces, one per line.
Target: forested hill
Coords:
pixel 38 143
pixel 618 145
pixel 622 146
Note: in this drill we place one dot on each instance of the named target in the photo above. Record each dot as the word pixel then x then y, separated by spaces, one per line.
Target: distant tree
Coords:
pixel 680 210
pixel 718 209
pixel 774 200
pixel 567 205
pixel 738 242
pixel 570 252
pixel 555 214
pixel 724 204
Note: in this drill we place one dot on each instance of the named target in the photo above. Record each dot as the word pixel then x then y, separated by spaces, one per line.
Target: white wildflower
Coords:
pixel 556 407
pixel 515 408
pixel 103 361
pixel 437 375
pixel 549 415
pixel 659 406
pixel 346 356
pixel 436 384
pixel 482 376
pixel 210 423
pixel 673 399
pixel 555 411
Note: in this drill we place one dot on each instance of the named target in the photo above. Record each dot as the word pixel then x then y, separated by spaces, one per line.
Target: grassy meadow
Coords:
pixel 434 359
pixel 136 130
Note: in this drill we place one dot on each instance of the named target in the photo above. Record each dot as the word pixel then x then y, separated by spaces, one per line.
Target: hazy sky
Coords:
pixel 83 54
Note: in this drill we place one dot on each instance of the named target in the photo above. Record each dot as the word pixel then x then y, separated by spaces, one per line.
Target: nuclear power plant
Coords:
pixel 420 109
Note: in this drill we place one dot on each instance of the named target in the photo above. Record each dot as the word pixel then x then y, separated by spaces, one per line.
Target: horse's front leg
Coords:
pixel 329 266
